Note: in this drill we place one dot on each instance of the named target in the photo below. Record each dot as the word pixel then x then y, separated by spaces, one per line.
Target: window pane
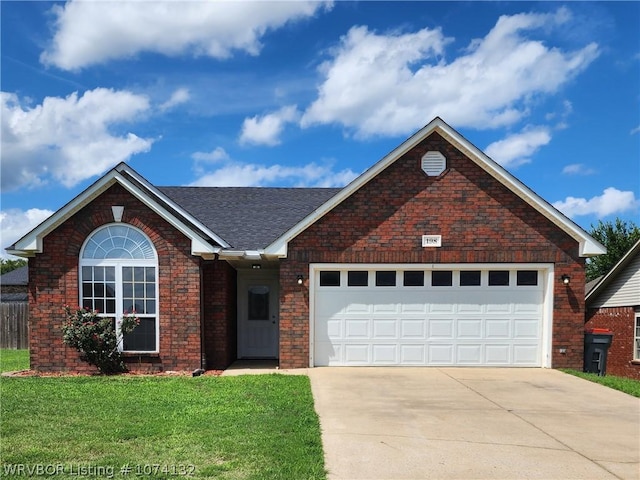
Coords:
pixel 469 278
pixel 138 274
pixel 330 279
pixel 127 274
pixel 150 274
pixel 143 337
pixel 87 274
pixel 87 303
pixel 98 273
pixel 498 278
pixel 357 279
pixel 110 290
pixel 99 305
pixel 258 298
pixel 110 274
pixel 527 277
pixel 138 290
pixel 386 278
pixel 87 291
pixel 441 278
pixel 150 290
pixel 98 290
pixel 110 306
pixel 150 306
pixel 413 279
pixel 127 290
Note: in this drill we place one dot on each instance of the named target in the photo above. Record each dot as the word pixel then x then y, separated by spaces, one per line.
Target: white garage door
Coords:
pixel 407 316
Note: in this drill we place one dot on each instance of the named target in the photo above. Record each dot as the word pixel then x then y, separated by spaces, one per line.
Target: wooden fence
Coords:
pixel 14 332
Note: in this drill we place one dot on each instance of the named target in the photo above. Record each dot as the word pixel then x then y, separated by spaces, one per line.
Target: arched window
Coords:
pixel 119 275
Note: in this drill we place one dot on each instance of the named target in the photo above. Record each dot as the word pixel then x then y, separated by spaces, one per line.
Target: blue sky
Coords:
pixel 313 93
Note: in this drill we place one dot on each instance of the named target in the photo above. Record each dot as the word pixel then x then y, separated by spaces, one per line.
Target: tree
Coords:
pixel 8 265
pixel 618 238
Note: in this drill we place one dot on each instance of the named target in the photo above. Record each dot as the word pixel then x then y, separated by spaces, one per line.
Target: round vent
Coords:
pixel 433 163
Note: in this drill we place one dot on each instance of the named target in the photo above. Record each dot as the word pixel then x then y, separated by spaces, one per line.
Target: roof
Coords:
pixel 254 222
pixel 611 276
pixel 19 276
pixel 588 245
pixel 249 218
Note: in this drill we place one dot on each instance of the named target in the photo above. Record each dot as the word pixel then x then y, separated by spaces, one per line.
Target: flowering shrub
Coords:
pixel 95 337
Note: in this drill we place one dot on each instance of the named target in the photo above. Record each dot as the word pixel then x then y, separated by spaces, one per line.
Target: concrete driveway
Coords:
pixel 474 423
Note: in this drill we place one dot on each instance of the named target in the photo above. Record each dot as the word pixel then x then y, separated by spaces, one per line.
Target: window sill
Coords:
pixel 140 354
pixel 635 362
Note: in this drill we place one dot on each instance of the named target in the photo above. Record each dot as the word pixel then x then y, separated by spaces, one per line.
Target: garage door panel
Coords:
pixel 469 328
pixel 441 354
pixel 413 329
pixel 498 328
pixel 357 329
pixel 455 325
pixel 441 329
pixel 385 329
pixel 413 354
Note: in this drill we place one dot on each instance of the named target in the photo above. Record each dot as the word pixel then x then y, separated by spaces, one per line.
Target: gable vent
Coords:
pixel 433 163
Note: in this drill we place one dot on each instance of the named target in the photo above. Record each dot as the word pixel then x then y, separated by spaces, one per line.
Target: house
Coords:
pixel 613 303
pixel 435 255
pixel 13 285
pixel 14 309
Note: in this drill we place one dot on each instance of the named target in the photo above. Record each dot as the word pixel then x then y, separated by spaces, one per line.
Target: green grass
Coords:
pixel 246 427
pixel 626 385
pixel 13 360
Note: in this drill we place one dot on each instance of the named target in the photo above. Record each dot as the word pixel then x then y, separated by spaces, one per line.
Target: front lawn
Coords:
pixel 246 427
pixel 626 385
pixel 13 360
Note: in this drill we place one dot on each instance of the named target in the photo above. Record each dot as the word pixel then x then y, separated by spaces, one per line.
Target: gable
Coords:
pixel 621 286
pixel 587 246
pixel 203 241
pixel 471 211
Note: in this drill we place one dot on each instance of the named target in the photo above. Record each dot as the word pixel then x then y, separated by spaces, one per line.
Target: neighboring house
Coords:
pixel 13 285
pixel 435 255
pixel 614 303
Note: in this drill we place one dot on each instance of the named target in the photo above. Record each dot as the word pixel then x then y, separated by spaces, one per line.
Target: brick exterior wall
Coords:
pixel 220 325
pixel 620 320
pixel 479 219
pixel 53 282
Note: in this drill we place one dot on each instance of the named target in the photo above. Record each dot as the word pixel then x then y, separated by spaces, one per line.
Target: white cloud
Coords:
pixel 15 223
pixel 266 130
pixel 578 169
pixel 517 149
pixel 181 95
pixel 67 139
pixel 216 155
pixel 392 84
pixel 237 174
pixel 635 130
pixel 87 33
pixel 612 201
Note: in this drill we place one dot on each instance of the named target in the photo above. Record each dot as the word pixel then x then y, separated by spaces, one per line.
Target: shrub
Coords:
pixel 96 339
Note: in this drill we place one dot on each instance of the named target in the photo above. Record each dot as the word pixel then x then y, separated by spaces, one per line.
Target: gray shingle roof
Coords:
pixel 249 218
pixel 19 276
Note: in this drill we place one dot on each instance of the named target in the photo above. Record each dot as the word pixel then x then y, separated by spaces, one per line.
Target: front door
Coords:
pixel 258 314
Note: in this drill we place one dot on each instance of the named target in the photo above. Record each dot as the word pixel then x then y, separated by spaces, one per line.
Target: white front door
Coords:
pixel 258 314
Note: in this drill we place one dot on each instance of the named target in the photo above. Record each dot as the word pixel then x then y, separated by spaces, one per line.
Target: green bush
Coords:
pixel 96 338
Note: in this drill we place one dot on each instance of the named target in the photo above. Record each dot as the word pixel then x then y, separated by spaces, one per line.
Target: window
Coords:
pixel 527 277
pixel 385 278
pixel 413 279
pixel 441 278
pixel 330 279
pixel 636 350
pixel 119 275
pixel 357 278
pixel 498 278
pixel 469 278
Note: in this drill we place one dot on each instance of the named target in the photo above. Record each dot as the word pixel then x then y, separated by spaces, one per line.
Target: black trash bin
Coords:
pixel 596 346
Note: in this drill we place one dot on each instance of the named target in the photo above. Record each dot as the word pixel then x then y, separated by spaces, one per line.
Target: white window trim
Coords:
pixel 636 337
pixel 119 264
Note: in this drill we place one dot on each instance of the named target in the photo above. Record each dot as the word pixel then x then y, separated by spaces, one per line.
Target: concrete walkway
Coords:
pixel 462 423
